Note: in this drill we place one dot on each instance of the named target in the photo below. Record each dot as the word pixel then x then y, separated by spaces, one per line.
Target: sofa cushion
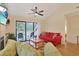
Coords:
pixel 26 50
pixel 51 50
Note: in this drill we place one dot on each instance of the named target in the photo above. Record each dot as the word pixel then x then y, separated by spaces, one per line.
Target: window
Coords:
pixel 27 31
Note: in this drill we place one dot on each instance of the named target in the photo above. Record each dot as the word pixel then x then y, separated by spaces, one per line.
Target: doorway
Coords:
pixel 72 28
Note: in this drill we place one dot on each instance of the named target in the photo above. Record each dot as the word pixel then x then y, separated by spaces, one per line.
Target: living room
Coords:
pixel 32 20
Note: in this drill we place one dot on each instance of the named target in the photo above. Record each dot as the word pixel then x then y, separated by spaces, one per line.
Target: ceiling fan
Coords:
pixel 36 12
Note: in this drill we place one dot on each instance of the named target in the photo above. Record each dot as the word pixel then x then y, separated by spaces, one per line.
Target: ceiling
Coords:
pixel 22 9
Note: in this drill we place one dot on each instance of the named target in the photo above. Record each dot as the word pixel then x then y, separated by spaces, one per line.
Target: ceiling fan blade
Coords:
pixel 41 11
pixel 40 14
pixel 31 13
pixel 34 10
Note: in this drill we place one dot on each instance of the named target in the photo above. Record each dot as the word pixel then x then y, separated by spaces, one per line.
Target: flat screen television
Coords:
pixel 3 20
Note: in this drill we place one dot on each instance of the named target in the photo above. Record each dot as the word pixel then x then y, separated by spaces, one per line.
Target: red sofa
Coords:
pixel 54 38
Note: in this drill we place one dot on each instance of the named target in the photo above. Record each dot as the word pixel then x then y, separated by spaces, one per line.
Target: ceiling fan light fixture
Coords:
pixel 36 14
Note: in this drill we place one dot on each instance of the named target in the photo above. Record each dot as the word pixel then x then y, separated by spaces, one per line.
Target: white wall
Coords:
pixel 2 30
pixel 56 23
pixel 12 26
pixel 73 28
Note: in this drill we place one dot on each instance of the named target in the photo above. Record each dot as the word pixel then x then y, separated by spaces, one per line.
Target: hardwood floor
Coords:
pixel 69 50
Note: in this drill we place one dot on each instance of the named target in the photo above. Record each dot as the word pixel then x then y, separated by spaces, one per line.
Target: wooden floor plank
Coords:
pixel 69 50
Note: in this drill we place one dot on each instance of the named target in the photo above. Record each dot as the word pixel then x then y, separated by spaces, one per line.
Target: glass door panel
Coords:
pixel 20 31
pixel 29 30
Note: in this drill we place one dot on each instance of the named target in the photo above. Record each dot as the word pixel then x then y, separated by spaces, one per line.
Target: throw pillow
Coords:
pixel 26 50
pixel 51 50
pixel 54 36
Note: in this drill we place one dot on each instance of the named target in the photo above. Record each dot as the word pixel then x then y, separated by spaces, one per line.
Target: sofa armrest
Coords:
pixel 10 49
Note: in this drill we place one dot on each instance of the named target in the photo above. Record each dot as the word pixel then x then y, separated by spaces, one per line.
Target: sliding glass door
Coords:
pixel 27 31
